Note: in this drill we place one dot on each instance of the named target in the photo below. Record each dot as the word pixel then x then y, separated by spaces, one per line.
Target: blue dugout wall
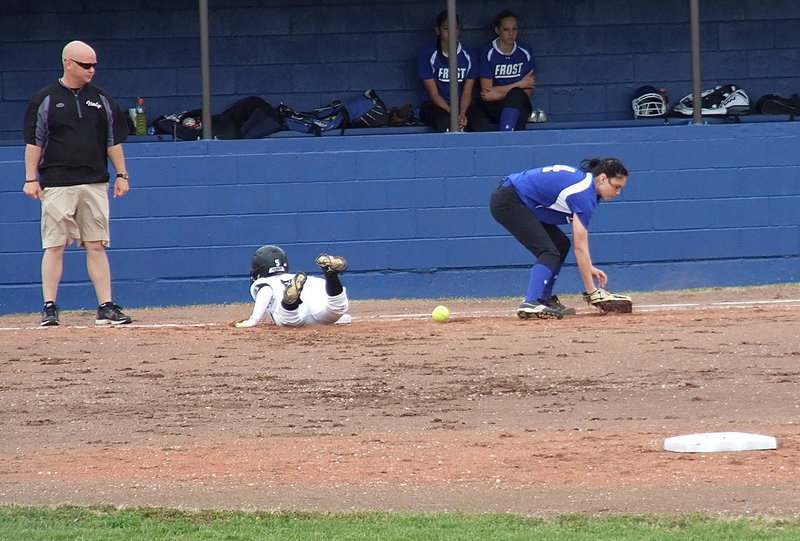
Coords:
pixel 706 205
pixel 591 54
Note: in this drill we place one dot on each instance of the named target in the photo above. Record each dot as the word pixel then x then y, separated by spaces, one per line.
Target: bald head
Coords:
pixel 76 56
pixel 74 49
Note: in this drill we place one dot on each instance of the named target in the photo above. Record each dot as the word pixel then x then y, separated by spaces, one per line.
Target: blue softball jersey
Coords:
pixel 505 69
pixel 433 65
pixel 556 192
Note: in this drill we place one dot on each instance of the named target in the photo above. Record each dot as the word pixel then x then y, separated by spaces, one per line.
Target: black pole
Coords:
pixel 697 117
pixel 205 70
pixel 452 51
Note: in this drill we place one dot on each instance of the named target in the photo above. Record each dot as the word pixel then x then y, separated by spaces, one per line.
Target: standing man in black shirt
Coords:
pixel 72 128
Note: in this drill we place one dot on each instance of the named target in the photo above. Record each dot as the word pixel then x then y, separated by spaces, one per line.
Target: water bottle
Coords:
pixel 141 118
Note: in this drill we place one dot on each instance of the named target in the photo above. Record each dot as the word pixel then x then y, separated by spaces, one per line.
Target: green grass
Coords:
pixel 151 524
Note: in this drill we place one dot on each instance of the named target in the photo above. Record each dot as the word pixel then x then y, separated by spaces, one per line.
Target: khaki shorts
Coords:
pixel 75 214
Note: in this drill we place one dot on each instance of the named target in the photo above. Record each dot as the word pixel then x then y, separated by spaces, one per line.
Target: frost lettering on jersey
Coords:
pixel 504 71
pixel 94 104
pixel 444 74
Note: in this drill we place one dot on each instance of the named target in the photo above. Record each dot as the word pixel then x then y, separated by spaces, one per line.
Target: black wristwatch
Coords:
pixel 122 175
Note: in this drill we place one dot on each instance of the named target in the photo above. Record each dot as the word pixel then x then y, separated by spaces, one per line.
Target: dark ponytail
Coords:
pixel 612 167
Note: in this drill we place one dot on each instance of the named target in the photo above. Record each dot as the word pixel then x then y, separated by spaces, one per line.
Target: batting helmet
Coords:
pixel 268 260
pixel 649 101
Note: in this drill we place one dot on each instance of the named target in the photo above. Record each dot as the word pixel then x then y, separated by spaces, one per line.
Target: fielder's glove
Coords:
pixel 606 301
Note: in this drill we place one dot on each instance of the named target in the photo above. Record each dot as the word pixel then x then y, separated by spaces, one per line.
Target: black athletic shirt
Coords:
pixel 74 128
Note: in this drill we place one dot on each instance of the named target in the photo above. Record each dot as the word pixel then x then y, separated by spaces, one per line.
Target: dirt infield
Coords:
pixel 483 413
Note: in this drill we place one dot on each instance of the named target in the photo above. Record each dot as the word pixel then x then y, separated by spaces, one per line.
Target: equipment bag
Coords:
pixel 724 100
pixel 333 116
pixel 248 118
pixel 773 104
pixel 183 126
pixel 367 110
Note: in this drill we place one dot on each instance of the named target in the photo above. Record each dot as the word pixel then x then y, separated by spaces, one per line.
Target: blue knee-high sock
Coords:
pixel 508 118
pixel 548 289
pixel 540 276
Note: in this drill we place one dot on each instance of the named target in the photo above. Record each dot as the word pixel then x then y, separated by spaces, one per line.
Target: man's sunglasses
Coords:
pixel 85 65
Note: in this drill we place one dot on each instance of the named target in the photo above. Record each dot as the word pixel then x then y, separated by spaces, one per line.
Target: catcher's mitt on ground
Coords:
pixel 606 301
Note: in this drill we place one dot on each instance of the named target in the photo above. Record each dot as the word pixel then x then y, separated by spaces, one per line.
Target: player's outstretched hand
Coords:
pixel 244 324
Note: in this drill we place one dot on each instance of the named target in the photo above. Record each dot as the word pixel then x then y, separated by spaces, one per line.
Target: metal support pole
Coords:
pixel 205 70
pixel 694 8
pixel 452 51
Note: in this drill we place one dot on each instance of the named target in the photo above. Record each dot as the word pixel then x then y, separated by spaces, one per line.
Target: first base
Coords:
pixel 345 319
pixel 714 442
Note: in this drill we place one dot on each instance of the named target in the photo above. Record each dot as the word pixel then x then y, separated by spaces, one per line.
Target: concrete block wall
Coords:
pixel 591 54
pixel 706 205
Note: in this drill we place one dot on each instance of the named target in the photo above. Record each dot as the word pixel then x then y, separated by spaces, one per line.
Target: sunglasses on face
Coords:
pixel 85 65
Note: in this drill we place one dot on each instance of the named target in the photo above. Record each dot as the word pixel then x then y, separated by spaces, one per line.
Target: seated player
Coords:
pixel 507 75
pixel 433 68
pixel 295 299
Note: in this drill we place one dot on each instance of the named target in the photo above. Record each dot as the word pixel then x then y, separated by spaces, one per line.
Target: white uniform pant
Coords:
pixel 309 313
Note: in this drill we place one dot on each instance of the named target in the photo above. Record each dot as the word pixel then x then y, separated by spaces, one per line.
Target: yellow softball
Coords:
pixel 440 314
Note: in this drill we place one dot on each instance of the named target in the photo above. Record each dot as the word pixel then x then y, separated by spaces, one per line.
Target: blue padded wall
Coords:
pixel 706 205
pixel 591 54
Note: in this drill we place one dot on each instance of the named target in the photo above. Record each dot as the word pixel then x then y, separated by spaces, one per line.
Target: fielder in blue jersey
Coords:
pixel 507 75
pixel 433 69
pixel 532 204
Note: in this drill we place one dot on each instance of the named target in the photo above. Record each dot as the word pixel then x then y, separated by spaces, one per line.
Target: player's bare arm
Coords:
pixel 32 187
pixel 117 157
pixel 595 295
pixel 466 101
pixel 592 276
pixel 433 92
pixel 490 92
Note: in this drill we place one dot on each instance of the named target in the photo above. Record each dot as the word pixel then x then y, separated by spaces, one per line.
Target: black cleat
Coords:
pixel 291 295
pixel 528 310
pixel 555 304
pixel 332 263
pixel 111 314
pixel 50 315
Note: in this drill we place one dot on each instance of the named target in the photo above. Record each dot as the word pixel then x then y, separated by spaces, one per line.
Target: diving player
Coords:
pixel 295 300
